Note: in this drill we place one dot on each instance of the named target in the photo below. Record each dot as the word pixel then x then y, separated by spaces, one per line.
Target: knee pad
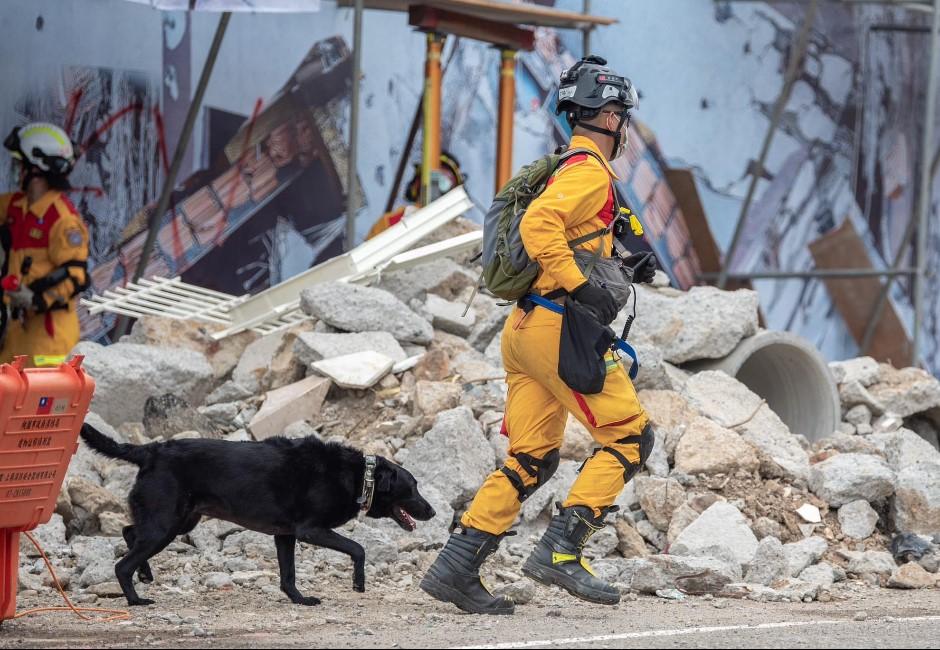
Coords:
pixel 542 469
pixel 645 441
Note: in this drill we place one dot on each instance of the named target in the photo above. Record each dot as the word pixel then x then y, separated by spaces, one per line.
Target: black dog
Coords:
pixel 292 489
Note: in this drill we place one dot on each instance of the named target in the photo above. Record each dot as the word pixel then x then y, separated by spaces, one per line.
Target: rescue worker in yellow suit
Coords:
pixel 451 177
pixel 46 259
pixel 578 201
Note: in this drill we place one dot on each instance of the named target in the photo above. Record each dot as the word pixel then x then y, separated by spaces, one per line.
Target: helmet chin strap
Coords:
pixel 616 135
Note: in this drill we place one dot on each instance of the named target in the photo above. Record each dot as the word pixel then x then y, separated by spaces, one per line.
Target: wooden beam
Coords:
pixel 496 10
pixel 854 298
pixel 431 19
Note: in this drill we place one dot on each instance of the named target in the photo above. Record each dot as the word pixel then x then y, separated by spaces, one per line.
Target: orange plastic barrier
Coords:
pixel 41 414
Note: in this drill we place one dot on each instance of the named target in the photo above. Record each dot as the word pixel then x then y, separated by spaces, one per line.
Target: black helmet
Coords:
pixel 589 85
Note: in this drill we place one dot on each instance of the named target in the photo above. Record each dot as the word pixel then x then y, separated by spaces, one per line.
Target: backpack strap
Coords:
pixel 619 247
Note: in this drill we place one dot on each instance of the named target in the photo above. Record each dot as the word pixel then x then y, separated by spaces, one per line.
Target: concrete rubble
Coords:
pixel 732 502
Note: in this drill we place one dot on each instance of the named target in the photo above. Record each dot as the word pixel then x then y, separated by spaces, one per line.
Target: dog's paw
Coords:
pixel 360 587
pixel 140 602
pixel 307 601
pixel 145 576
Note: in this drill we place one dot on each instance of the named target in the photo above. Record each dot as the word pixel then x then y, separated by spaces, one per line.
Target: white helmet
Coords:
pixel 42 145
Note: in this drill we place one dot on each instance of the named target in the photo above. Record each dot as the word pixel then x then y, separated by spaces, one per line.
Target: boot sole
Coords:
pixel 438 590
pixel 550 577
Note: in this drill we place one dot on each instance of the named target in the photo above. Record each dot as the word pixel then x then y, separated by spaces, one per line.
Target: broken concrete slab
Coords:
pixel 357 371
pixel 858 519
pixel 299 401
pixel 904 448
pixel 709 448
pixel 475 367
pixel 703 323
pixel 853 393
pixel 912 576
pixel 449 316
pixel 770 564
pixel 730 403
pixel 864 370
pixel 629 542
pixel 311 347
pixel 653 373
pixel 844 478
pixel 487 328
pixel 433 397
pixel 222 354
pixel 916 506
pixel 284 367
pixel 721 525
pixel 804 553
pixel 230 391
pixel 127 374
pixel 907 392
pixel 443 277
pixel 864 562
pixel 253 363
pixel 456 435
pixel 353 308
pixel 659 498
pixel 693 574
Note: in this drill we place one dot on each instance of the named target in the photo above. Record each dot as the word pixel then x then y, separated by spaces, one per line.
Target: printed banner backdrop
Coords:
pixel 847 150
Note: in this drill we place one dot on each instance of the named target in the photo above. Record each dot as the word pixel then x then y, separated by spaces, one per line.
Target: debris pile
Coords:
pixel 732 502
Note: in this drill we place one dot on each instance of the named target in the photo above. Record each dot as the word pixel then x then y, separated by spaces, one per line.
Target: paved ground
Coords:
pixel 387 617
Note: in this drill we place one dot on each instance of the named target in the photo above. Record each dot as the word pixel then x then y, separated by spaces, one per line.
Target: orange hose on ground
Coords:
pixel 115 614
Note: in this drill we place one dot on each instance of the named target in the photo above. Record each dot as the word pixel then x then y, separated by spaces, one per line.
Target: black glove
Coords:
pixel 643 265
pixel 600 300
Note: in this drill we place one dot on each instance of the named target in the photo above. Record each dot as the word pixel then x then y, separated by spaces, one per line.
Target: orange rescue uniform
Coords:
pixel 578 201
pixel 44 237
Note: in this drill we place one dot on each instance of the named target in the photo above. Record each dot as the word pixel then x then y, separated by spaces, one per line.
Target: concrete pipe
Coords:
pixel 790 374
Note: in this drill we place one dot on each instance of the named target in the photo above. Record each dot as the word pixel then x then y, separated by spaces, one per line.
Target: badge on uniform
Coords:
pixel 36 233
pixel 74 237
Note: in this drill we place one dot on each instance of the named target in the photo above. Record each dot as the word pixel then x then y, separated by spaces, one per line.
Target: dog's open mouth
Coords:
pixel 403 519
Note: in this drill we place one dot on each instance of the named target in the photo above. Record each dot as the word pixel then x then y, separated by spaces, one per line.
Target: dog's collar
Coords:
pixel 368 485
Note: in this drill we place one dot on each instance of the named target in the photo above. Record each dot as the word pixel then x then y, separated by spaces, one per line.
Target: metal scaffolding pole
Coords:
pixel 814 273
pixel 586 32
pixel 926 181
pixel 793 69
pixel 899 255
pixel 352 180
pixel 178 154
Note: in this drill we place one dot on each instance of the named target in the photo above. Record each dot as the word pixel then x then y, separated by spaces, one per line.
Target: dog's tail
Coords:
pixel 108 447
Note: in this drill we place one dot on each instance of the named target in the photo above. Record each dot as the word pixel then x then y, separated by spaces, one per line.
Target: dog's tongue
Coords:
pixel 407 518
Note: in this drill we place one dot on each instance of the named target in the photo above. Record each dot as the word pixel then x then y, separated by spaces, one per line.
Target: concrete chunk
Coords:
pixel 299 401
pixel 721 525
pixel 352 308
pixel 448 316
pixel 317 346
pixel 357 371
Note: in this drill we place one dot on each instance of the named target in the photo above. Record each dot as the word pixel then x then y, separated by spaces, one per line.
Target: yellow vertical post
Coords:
pixel 507 104
pixel 431 150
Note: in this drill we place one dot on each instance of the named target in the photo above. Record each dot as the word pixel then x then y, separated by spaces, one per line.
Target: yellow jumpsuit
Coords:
pixel 539 401
pixel 45 236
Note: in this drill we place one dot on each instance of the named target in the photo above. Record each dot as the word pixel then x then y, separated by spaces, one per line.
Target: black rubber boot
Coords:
pixel 455 575
pixel 557 558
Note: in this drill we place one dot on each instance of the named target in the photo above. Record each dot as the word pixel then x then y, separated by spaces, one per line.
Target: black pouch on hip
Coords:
pixel 581 350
